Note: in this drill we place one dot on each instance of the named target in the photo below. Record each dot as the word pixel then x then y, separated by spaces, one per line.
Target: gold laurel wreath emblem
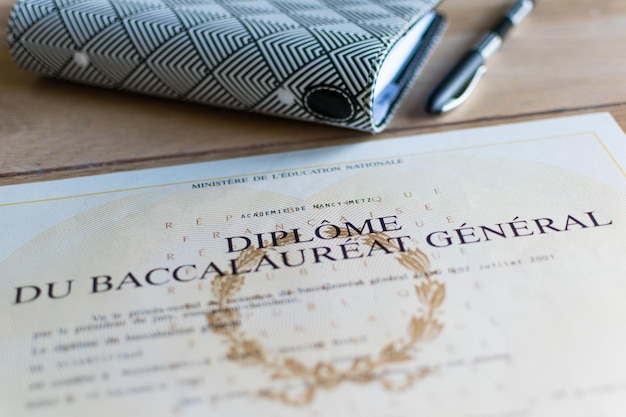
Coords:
pixel 421 327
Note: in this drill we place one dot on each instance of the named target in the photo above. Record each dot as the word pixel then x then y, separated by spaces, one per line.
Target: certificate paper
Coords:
pixel 471 273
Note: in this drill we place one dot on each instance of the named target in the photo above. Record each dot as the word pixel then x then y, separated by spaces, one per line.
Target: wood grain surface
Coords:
pixel 568 57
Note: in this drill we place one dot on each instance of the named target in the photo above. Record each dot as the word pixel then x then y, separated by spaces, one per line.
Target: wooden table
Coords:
pixel 568 57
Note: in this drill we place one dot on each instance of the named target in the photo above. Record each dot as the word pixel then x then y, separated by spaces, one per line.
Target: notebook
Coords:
pixel 341 62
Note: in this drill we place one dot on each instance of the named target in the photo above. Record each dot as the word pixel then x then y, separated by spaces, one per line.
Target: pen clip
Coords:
pixel 455 102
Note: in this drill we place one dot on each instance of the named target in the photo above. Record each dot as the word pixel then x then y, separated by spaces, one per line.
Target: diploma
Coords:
pixel 474 272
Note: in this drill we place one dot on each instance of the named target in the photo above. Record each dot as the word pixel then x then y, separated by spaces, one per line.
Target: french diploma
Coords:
pixel 471 273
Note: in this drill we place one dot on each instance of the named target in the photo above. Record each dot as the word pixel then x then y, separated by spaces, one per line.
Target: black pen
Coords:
pixel 459 83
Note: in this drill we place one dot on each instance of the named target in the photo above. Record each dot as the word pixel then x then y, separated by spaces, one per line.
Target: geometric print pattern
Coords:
pixel 256 55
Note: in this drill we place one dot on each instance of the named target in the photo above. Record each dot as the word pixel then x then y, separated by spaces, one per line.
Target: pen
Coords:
pixel 459 83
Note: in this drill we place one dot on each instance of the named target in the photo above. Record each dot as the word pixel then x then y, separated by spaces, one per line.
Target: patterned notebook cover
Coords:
pixel 313 60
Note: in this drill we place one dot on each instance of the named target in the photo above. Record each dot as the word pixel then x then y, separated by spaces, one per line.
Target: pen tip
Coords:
pixel 433 105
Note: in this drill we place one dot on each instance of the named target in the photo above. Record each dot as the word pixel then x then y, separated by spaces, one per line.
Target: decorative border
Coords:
pixel 594 136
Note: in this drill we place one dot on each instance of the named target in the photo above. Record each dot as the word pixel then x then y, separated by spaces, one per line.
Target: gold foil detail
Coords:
pixel 247 351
